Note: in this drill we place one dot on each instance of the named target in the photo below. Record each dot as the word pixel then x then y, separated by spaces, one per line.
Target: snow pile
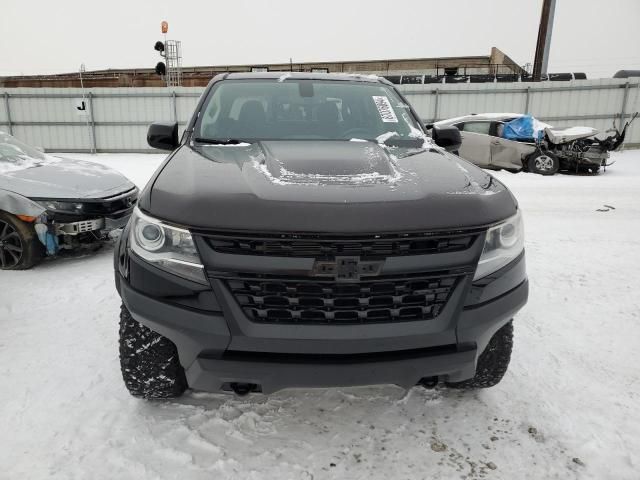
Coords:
pixel 567 408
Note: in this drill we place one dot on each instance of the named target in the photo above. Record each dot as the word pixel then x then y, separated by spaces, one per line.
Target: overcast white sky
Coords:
pixel 50 36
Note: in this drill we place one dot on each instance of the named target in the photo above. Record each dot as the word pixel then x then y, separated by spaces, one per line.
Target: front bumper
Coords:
pixel 270 376
pixel 218 349
pixel 100 215
pixel 103 225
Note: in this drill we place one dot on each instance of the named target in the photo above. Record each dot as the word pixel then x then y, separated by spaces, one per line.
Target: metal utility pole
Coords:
pixel 541 61
pixel 83 110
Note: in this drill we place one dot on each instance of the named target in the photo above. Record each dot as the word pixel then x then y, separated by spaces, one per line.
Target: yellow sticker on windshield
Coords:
pixel 385 109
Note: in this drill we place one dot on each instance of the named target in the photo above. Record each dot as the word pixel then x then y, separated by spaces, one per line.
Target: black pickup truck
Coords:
pixel 305 232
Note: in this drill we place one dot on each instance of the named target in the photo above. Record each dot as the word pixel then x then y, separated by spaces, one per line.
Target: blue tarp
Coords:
pixel 522 129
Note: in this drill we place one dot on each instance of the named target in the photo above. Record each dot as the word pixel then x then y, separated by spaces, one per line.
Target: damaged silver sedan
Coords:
pixel 515 142
pixel 50 204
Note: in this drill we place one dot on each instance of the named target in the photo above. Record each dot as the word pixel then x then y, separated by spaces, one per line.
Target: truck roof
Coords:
pixel 283 76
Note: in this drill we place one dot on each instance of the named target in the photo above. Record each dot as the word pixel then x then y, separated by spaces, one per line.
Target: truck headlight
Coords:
pixel 503 243
pixel 165 246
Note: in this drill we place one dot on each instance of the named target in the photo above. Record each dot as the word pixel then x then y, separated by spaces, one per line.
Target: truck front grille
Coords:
pixel 326 247
pixel 381 300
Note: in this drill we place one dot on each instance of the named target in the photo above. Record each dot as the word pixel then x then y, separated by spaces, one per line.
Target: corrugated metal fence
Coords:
pixel 116 119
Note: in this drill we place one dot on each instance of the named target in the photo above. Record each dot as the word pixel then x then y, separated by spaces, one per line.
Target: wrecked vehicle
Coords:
pixel 520 142
pixel 49 204
pixel 305 232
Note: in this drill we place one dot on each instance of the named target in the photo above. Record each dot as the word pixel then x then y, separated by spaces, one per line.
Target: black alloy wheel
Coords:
pixel 11 247
pixel 19 245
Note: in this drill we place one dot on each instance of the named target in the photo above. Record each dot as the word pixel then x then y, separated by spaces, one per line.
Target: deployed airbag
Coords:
pixel 524 129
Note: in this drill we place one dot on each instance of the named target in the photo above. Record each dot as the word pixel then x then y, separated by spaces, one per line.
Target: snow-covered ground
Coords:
pixel 569 406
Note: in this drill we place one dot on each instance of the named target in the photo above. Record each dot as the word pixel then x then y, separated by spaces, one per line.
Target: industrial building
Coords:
pixel 496 66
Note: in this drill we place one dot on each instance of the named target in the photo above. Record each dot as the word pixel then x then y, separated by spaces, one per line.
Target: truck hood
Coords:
pixel 65 179
pixel 323 186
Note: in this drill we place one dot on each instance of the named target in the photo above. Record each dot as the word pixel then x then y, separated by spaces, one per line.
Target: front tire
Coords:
pixel 543 163
pixel 493 361
pixel 149 362
pixel 20 248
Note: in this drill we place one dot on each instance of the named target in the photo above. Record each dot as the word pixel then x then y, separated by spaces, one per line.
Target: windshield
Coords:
pixel 304 110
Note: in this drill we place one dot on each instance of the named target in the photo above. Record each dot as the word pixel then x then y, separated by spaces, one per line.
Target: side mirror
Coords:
pixel 447 137
pixel 163 135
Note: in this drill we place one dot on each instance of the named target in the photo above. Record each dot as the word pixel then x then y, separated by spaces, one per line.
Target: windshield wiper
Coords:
pixel 403 142
pixel 220 141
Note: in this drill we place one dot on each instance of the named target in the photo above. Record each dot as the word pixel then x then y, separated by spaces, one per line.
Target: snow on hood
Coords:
pixel 376 168
pixel 22 162
pixel 16 156
pixel 287 177
pixel 563 135
pixel 386 136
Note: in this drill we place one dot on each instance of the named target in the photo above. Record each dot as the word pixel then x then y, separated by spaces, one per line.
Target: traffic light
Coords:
pixel 160 47
pixel 161 69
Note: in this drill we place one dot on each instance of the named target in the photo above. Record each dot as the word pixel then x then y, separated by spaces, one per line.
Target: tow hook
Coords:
pixel 242 389
pixel 428 382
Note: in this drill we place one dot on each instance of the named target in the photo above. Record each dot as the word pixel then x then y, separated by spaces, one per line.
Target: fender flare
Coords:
pixel 16 204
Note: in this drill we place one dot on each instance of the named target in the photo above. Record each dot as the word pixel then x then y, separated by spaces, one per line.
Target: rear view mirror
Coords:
pixel 447 137
pixel 163 135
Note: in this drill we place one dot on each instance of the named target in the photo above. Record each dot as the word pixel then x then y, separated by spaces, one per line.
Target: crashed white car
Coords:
pixel 514 141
